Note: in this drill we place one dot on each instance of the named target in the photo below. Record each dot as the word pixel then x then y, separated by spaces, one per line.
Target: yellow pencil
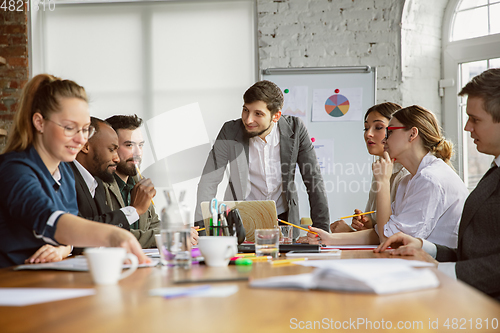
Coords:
pixel 365 213
pixel 286 261
pixel 296 226
pixel 139 173
pixel 200 229
pixel 245 255
pixel 261 258
pixel 253 257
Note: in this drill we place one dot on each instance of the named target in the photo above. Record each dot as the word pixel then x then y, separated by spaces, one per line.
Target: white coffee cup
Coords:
pixel 218 250
pixel 106 263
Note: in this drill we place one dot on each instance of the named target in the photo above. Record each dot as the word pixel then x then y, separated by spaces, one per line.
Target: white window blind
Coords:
pixel 149 58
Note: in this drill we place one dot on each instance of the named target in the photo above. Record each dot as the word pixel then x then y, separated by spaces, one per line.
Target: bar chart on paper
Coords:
pixel 337 105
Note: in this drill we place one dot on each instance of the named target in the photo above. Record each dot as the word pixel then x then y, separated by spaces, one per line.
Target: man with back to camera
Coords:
pixel 476 260
pixel 263 148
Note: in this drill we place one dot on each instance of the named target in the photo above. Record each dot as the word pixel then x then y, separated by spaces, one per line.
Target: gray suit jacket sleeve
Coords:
pixel 313 180
pixel 478 254
pixel 213 172
pixel 482 273
pixel 445 254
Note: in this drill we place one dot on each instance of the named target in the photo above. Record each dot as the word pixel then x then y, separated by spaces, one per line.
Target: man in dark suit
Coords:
pixel 97 162
pixel 476 260
pixel 263 149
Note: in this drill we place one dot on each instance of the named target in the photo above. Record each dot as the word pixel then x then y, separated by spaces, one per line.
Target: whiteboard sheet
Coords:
pixel 324 152
pixel 337 104
pixel 296 102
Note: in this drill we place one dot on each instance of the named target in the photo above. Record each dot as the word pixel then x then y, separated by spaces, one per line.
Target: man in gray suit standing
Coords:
pixel 476 260
pixel 263 148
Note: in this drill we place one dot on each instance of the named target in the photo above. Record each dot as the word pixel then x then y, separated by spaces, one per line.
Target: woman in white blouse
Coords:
pixel 376 120
pixel 429 200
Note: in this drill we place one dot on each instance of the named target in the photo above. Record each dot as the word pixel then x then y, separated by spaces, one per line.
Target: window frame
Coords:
pixel 455 53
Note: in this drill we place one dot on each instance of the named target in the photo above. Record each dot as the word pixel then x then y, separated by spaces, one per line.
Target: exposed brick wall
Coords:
pixel 317 33
pixel 13 75
pixel 421 33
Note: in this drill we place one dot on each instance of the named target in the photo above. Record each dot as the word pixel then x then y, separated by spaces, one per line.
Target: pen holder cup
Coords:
pixel 217 231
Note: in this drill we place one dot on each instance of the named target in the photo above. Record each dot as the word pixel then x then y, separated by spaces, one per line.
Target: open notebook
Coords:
pixel 254 214
pixel 380 276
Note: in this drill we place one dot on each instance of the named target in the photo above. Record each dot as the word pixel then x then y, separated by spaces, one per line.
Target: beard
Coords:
pixel 124 168
pixel 254 134
pixel 105 175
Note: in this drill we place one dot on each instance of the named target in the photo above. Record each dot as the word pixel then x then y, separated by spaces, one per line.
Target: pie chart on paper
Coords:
pixel 337 105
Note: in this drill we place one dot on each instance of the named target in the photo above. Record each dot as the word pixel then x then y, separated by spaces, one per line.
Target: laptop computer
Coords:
pixel 258 214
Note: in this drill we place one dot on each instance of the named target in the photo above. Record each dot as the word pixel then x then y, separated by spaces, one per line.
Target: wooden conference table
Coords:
pixel 127 307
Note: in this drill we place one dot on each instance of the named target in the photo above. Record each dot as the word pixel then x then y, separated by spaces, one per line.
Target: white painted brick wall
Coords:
pixel 315 33
pixel 421 53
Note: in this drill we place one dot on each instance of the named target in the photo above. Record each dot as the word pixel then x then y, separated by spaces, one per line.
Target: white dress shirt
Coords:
pixel 448 267
pixel 264 170
pixel 87 177
pixel 429 204
pixel 129 211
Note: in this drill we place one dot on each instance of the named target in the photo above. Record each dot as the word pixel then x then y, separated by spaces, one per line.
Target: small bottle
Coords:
pixel 175 235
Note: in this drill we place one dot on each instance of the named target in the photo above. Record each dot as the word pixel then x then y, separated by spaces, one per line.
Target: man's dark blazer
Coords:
pixel 478 252
pixel 232 146
pixel 96 209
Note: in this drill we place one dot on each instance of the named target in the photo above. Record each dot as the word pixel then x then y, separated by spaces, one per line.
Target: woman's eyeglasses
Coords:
pixel 71 131
pixel 389 129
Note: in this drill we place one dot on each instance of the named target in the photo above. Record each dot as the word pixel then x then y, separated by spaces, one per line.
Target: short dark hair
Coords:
pixel 487 87
pixel 265 91
pixel 96 123
pixel 130 122
pixel 385 109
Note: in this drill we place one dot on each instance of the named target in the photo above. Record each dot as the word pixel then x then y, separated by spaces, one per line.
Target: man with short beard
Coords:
pixel 263 149
pixel 124 188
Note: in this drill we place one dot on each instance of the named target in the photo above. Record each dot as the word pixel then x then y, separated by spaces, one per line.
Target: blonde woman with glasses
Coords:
pixel 38 204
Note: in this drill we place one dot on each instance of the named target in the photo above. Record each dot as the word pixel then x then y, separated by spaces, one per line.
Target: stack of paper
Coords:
pixel 379 276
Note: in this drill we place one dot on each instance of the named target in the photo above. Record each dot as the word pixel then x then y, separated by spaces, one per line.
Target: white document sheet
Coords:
pixel 77 264
pixel 29 296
